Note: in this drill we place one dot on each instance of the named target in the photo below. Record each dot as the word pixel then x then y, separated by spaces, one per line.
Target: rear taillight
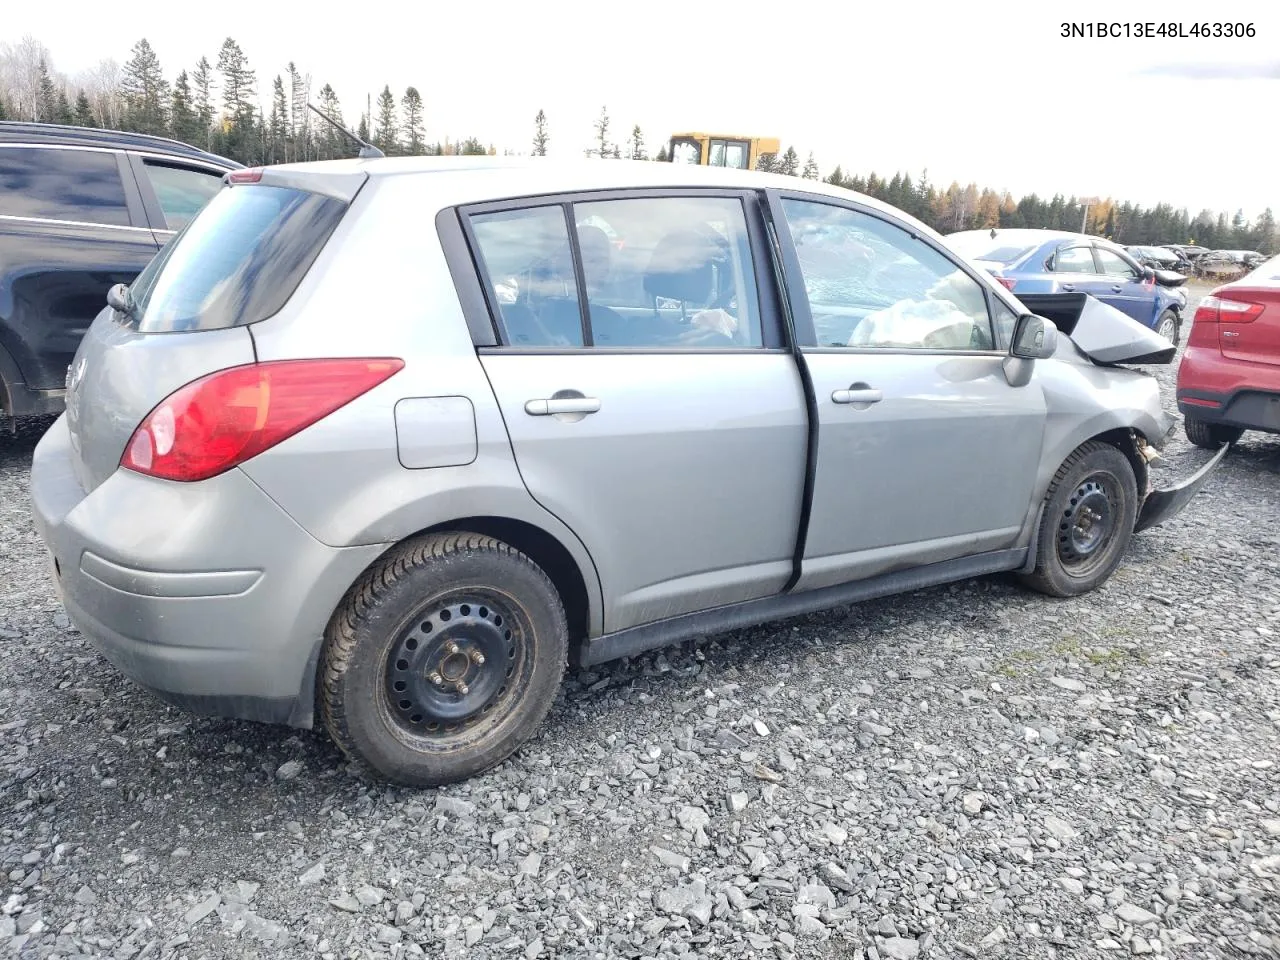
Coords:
pixel 1008 282
pixel 220 421
pixel 251 175
pixel 1222 310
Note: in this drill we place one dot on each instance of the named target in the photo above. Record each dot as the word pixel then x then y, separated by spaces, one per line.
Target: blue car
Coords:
pixel 1055 261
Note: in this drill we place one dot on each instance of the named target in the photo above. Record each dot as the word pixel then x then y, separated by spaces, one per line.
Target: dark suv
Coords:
pixel 80 210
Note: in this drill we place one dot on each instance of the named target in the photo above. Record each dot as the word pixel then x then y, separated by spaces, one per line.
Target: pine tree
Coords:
pixel 412 107
pixel 202 79
pixel 333 144
pixel 836 177
pixel 83 112
pixel 1265 238
pixel 663 156
pixel 790 163
pixel 810 171
pixel 602 133
pixel 637 144
pixel 362 131
pixel 47 104
pixel 238 82
pixel 767 162
pixel 297 117
pixel 146 92
pixel 183 120
pixel 385 135
pixel 279 127
pixel 540 135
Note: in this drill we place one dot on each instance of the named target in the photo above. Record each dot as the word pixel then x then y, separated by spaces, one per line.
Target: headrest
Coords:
pixel 681 267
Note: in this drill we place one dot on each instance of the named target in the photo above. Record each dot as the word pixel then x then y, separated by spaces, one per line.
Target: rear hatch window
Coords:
pixel 237 262
pixel 1003 255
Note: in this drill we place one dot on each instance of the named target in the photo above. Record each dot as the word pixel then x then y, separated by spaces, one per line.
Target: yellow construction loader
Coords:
pixel 720 150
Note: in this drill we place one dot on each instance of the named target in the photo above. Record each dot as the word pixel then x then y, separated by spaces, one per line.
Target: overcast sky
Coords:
pixel 982 91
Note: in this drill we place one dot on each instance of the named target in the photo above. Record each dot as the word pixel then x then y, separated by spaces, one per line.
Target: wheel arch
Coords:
pixel 578 589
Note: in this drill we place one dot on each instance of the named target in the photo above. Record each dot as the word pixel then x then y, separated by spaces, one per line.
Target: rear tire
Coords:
pixel 1169 327
pixel 1090 509
pixel 1210 436
pixel 444 659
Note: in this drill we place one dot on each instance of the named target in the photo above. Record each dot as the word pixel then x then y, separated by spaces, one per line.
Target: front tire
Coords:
pixel 1090 509
pixel 443 660
pixel 1210 436
pixel 1169 327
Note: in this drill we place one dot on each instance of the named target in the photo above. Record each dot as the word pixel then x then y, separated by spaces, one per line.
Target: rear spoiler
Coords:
pixel 340 184
pixel 1106 335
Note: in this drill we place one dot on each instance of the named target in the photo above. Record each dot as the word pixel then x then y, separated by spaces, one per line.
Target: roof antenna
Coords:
pixel 367 150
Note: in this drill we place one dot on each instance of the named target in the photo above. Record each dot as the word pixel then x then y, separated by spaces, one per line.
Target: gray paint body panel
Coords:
pixel 681 494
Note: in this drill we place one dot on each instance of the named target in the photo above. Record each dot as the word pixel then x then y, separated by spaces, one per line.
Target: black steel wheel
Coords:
pixel 1090 510
pixel 443 660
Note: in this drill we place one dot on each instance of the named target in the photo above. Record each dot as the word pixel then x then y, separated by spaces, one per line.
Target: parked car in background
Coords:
pixel 1053 261
pixel 1188 250
pixel 1222 265
pixel 767 396
pixel 1229 376
pixel 80 210
pixel 1160 258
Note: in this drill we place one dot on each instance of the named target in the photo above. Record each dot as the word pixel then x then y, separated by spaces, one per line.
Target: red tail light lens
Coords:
pixel 220 421
pixel 251 175
pixel 1008 282
pixel 1222 310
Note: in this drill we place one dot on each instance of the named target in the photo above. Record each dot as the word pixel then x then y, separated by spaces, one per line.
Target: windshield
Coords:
pixel 237 262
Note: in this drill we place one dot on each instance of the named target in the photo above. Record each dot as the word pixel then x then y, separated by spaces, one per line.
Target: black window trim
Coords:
pixel 128 185
pixel 806 334
pixel 150 202
pixel 476 293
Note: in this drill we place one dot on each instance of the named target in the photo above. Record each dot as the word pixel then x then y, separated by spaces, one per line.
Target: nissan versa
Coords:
pixel 386 442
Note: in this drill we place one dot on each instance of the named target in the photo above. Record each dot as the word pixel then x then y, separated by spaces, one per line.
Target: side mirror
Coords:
pixel 1148 274
pixel 1034 338
pixel 120 299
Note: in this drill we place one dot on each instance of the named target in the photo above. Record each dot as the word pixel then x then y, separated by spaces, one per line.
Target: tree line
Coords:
pixel 217 106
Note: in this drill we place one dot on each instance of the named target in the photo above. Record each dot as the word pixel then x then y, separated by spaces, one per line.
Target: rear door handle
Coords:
pixel 548 408
pixel 858 395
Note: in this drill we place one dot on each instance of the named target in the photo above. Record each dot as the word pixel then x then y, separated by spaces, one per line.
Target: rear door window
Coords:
pixel 50 183
pixel 182 191
pixel 1074 260
pixel 237 262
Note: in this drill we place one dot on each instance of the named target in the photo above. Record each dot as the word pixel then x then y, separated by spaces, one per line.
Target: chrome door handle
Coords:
pixel 548 408
pixel 1069 287
pixel 863 395
pixel 1116 288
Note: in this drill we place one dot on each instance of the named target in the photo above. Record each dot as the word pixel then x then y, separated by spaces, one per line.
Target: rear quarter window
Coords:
pixel 62 184
pixel 237 262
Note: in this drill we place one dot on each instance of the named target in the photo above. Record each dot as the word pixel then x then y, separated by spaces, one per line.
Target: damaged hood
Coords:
pixel 1105 334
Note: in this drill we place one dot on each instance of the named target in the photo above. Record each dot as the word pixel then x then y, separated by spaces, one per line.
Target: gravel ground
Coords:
pixel 966 771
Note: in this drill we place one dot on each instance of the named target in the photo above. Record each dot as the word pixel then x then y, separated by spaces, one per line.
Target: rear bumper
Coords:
pixel 1234 393
pixel 207 594
pixel 1248 409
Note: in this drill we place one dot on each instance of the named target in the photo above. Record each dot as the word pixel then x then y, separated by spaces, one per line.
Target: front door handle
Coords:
pixel 1069 287
pixel 558 405
pixel 1116 288
pixel 857 394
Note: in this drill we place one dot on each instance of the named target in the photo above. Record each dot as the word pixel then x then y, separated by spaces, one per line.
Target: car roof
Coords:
pixel 471 179
pixel 56 134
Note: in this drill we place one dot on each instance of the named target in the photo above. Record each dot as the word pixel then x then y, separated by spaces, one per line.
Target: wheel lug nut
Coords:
pixel 436 679
pixel 477 657
pixel 453 647
pixel 463 688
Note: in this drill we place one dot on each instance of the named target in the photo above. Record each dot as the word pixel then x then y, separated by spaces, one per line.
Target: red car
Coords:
pixel 1229 377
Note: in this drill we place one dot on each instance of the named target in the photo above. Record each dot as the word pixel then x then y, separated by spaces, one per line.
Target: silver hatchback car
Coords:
pixel 386 443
